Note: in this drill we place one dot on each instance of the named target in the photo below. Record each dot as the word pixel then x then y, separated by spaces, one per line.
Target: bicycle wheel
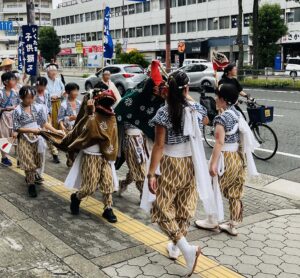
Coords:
pixel 267 139
pixel 209 135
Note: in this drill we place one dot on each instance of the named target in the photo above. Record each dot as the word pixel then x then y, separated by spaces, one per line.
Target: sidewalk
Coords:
pixel 40 238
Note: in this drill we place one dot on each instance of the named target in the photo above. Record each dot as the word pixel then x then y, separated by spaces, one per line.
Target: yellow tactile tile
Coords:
pixel 206 267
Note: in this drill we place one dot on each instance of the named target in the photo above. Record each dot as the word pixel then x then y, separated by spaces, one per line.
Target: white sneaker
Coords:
pixel 206 224
pixel 173 251
pixel 229 228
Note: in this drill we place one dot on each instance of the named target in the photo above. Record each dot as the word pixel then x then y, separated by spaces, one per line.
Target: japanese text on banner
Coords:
pixel 30 48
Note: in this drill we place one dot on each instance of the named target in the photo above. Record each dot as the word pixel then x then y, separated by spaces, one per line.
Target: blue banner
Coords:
pixel 108 42
pixel 6 25
pixel 20 53
pixel 30 47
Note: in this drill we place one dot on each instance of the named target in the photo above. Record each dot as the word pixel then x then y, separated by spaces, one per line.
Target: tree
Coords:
pixel 240 37
pixel 48 43
pixel 133 57
pixel 255 33
pixel 118 49
pixel 271 28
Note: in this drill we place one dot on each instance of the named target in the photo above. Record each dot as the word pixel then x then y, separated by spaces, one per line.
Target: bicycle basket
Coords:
pixel 261 114
pixel 210 104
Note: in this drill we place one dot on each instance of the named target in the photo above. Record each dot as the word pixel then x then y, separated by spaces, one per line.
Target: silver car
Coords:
pixel 125 76
pixel 200 74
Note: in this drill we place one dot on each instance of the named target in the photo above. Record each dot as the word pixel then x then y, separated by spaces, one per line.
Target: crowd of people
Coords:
pixel 156 128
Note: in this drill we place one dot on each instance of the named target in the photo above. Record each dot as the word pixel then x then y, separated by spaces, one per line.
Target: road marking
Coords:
pixel 270 151
pixel 277 100
pixel 272 91
pixel 206 267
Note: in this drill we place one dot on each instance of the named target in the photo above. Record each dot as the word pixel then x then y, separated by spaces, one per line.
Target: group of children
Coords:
pixel 177 170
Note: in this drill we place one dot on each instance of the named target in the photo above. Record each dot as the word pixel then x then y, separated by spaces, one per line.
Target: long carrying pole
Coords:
pixel 168 36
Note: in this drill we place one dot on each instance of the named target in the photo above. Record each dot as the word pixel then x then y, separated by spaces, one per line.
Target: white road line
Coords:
pixel 276 100
pixel 272 91
pixel 270 151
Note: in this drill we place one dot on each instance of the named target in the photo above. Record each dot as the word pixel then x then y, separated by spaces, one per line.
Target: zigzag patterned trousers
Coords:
pixel 96 173
pixel 232 183
pixel 176 196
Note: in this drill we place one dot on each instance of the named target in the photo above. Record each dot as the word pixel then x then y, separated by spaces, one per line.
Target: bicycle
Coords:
pixel 259 116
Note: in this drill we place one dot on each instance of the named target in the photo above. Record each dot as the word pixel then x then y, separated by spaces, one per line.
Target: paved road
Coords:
pixel 286 125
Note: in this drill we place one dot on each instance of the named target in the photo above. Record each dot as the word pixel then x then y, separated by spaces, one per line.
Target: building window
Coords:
pixel 93 36
pixel 162 4
pixel 77 37
pixel 147 31
pixel 112 12
pixel 88 37
pixel 118 33
pixel 191 2
pixel 125 10
pixel 87 16
pixel 71 19
pixel 58 21
pixel 81 17
pixel 112 33
pixel 73 38
pixel 63 21
pixel 247 19
pixel 173 28
pixel 155 30
pixel 139 8
pixel 146 6
pixel 118 11
pixel 131 32
pixel 54 22
pixel 139 31
pixel 99 36
pixel 93 16
pixel 83 38
pixel 99 15
pixel 181 3
pixel 67 20
pixel 213 23
pixel 181 27
pixel 77 19
pixel 131 9
pixel 234 20
pixel 192 26
pixel 173 3
pixel 162 29
pixel 201 25
pixel 224 22
pixel 201 1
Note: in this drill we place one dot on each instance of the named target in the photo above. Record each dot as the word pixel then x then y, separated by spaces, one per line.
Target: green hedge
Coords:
pixel 270 83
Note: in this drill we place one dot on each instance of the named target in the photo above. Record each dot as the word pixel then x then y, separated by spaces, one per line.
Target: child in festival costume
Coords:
pixel 234 146
pixel 69 108
pixel 18 81
pixel 42 97
pixel 28 119
pixel 8 101
pixel 179 162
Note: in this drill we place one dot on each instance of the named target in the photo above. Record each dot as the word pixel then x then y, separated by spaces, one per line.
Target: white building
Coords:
pixel 15 11
pixel 204 25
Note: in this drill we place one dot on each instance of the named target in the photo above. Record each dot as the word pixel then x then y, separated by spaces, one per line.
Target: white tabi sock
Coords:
pixel 188 251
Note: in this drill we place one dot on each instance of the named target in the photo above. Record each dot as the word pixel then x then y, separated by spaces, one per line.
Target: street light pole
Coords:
pixel 168 36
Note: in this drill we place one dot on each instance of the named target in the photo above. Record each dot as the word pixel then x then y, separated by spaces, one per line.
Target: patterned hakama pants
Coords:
pixel 176 196
pixel 96 173
pixel 29 158
pixel 136 170
pixel 232 183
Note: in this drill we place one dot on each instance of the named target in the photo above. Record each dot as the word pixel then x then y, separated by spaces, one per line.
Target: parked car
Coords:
pixel 201 74
pixel 293 67
pixel 124 76
pixel 193 61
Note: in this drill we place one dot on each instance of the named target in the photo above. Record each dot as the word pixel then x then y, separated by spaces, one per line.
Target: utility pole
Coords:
pixel 31 21
pixel 240 39
pixel 168 36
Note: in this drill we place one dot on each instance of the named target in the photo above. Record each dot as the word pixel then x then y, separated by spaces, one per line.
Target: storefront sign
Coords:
pixel 92 49
pixel 79 47
pixel 291 37
pixel 65 51
pixel 94 60
pixel 192 47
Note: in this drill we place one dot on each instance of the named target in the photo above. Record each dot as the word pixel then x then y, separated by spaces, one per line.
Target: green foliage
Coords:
pixel 271 28
pixel 85 75
pixel 133 57
pixel 48 42
pixel 118 49
pixel 271 83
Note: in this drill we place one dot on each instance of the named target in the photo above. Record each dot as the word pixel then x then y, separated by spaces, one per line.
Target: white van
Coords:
pixel 293 67
pixel 193 61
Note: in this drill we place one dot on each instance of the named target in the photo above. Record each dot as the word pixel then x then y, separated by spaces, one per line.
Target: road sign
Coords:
pixel 6 25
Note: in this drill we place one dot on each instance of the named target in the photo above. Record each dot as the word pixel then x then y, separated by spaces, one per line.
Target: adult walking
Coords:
pixel 55 88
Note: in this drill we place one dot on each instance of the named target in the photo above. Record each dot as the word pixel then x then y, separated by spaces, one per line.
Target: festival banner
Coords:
pixel 20 53
pixel 108 42
pixel 30 47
